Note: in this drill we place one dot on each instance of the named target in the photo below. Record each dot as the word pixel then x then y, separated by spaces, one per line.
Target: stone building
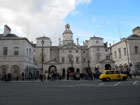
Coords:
pixel 16 56
pixel 93 54
pixel 21 58
pixel 126 53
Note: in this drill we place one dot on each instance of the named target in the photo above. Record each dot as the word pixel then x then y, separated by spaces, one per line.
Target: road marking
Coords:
pixel 116 84
pixel 101 84
pixel 134 83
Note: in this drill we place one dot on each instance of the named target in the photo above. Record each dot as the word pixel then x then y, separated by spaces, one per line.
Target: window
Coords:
pixel 117 72
pixel 136 49
pixel 77 60
pixel 98 49
pixel 63 60
pixel 5 50
pixel 76 51
pixel 16 50
pixel 84 60
pixel 70 51
pixel 97 41
pixel 111 72
pixel 115 53
pixel 98 58
pixel 27 52
pixel 70 60
pixel 83 51
pixel 119 52
pixel 107 57
pixel 124 51
pixel 107 72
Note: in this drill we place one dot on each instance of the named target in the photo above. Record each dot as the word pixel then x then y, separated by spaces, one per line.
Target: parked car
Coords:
pixel 112 75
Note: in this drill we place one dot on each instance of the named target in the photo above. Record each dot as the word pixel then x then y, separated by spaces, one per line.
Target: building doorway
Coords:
pixel 3 70
pixel 107 67
pixel 15 72
pixel 52 69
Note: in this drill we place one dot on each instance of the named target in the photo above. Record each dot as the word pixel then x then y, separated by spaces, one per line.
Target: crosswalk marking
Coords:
pixel 101 84
pixel 117 84
pixel 134 83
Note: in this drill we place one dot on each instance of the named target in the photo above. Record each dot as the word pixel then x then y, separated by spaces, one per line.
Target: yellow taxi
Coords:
pixel 112 75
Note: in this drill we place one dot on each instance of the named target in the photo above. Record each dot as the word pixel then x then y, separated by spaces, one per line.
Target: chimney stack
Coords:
pixel 77 41
pixel 7 30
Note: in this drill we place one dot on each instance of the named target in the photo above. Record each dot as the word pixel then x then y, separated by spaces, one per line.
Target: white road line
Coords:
pixel 116 84
pixel 134 83
pixel 101 84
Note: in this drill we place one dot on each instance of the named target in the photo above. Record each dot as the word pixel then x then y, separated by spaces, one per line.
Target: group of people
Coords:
pixel 74 76
pixel 129 73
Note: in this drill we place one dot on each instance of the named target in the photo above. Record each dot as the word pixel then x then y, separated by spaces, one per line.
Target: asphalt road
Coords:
pixel 71 93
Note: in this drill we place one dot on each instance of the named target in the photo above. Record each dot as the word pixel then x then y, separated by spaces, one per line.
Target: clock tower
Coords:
pixel 67 35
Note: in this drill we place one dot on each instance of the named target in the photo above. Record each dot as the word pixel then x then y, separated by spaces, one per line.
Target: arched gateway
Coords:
pixel 15 72
pixel 52 69
pixel 107 67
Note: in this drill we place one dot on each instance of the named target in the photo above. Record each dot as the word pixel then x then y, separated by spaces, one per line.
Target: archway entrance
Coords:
pixel 138 68
pixel 52 69
pixel 107 67
pixel 70 73
pixel 15 72
pixel 3 70
pixel 53 75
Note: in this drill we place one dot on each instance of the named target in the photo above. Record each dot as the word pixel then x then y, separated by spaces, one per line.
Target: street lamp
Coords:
pixel 42 42
pixel 88 66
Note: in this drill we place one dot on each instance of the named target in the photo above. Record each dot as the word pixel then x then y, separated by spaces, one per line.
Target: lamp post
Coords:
pixel 42 42
pixel 88 66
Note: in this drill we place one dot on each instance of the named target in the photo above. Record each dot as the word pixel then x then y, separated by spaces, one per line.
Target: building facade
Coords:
pixel 16 56
pixel 19 58
pixel 126 53
pixel 93 54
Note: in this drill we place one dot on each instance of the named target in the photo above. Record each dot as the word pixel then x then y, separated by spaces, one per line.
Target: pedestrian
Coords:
pixel 130 74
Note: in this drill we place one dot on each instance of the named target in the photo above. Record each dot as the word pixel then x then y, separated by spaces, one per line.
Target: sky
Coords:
pixel 87 18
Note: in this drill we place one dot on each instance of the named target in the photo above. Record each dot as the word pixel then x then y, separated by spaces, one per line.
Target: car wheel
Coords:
pixel 124 78
pixel 104 79
pixel 108 79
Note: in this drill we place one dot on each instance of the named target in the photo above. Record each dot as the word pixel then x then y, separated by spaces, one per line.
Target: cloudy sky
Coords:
pixel 35 18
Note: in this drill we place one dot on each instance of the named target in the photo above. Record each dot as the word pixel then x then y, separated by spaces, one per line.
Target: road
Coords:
pixel 71 93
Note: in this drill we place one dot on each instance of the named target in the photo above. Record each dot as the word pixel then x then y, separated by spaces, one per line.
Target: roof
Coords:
pixel 14 37
pixel 44 37
pixel 131 37
pixel 34 45
pixel 136 28
pixel 11 35
pixel 95 37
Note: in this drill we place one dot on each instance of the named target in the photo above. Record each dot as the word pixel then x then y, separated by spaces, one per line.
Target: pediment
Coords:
pixel 107 61
pixel 51 62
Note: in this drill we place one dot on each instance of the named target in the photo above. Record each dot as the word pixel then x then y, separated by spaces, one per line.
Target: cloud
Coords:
pixel 42 16
pixel 82 1
pixel 76 13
